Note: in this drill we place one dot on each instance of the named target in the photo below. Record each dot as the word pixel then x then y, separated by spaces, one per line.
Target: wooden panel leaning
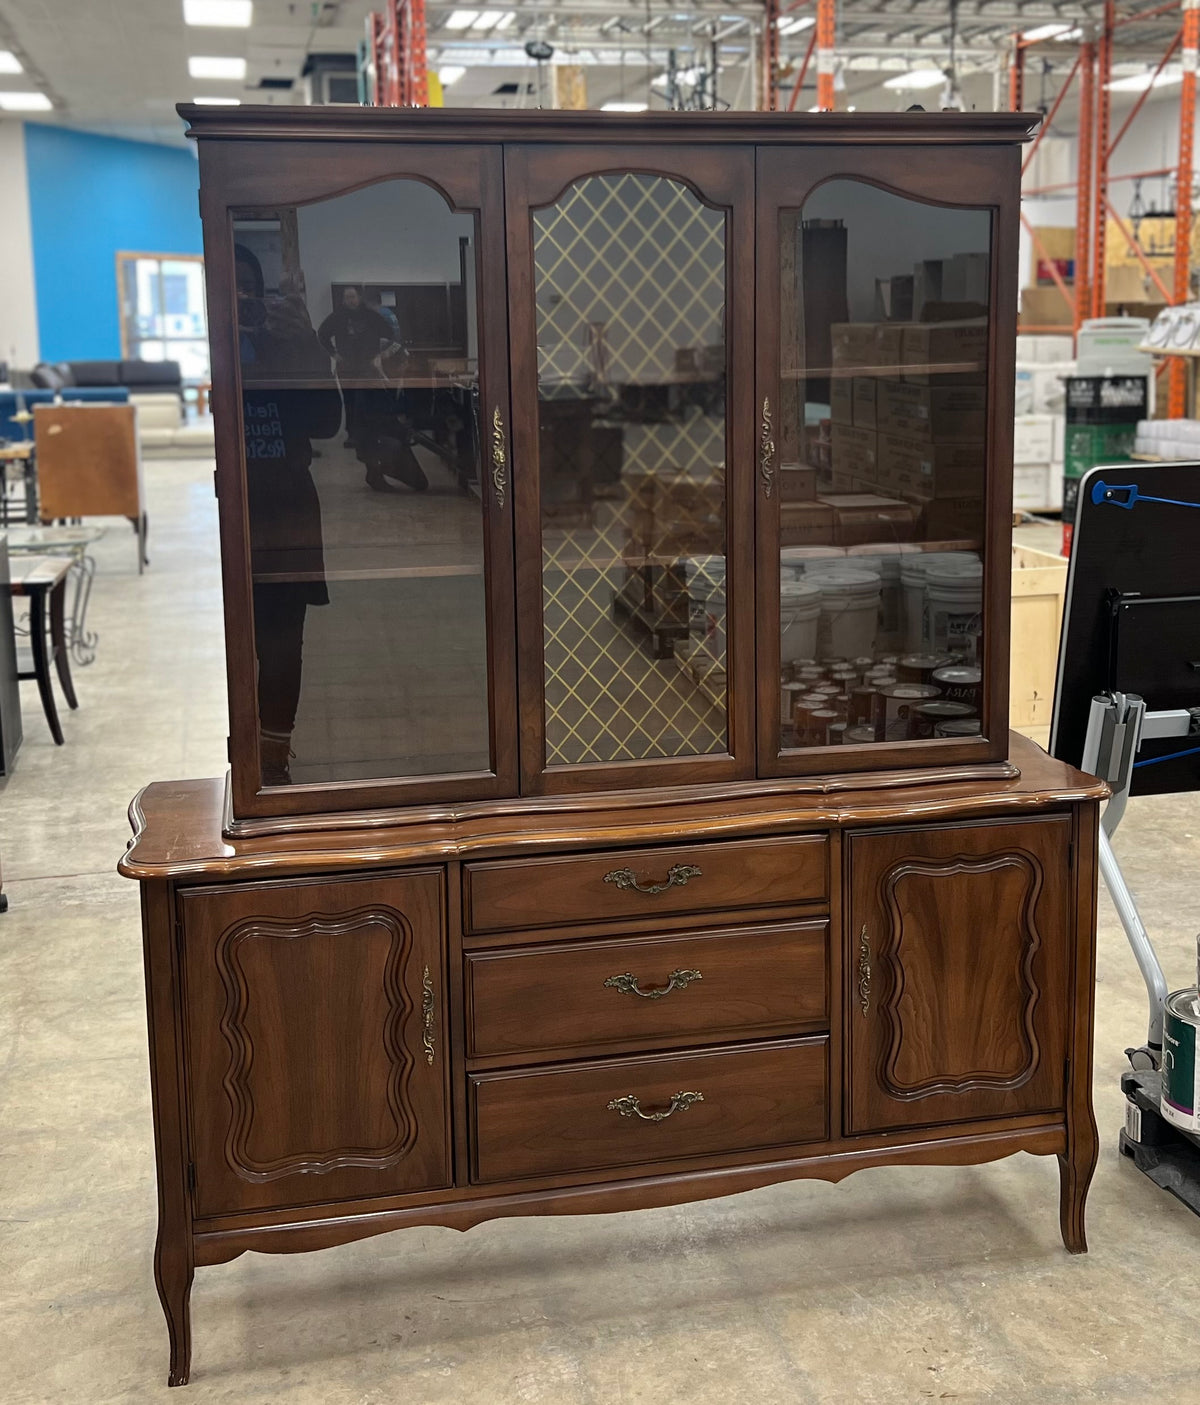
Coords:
pixel 89 464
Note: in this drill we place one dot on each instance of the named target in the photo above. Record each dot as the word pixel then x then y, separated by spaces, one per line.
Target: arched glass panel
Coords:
pixel 883 452
pixel 358 351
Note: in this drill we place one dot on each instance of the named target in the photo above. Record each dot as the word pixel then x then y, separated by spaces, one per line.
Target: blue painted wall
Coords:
pixel 90 196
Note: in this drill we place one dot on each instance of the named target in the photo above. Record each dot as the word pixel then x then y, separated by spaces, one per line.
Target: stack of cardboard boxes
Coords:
pixel 1043 364
pixel 908 411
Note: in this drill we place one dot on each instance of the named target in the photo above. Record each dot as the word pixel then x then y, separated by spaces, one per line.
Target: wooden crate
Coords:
pixel 1039 586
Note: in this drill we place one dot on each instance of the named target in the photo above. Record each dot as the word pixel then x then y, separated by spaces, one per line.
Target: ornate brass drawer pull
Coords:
pixel 628 1106
pixel 499 458
pixel 627 984
pixel 427 1003
pixel 677 875
pixel 766 450
pixel 864 971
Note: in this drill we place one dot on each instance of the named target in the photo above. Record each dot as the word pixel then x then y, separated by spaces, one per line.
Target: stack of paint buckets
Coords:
pixel 1180 1101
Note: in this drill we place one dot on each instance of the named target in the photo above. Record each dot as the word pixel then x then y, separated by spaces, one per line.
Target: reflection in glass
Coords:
pixel 883 448
pixel 630 288
pixel 357 324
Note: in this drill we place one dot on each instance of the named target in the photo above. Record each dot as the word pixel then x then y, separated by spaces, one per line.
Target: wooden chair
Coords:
pixel 89 464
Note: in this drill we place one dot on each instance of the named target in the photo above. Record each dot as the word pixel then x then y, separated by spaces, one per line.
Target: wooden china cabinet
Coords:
pixel 622 810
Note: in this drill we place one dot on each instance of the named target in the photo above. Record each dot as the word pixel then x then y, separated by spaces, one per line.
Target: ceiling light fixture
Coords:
pixel 488 19
pixel 506 19
pixel 203 67
pixel 794 26
pixel 1047 31
pixel 450 74
pixel 916 80
pixel 218 14
pixel 624 106
pixel 25 102
pixel 9 62
pixel 217 102
pixel 462 19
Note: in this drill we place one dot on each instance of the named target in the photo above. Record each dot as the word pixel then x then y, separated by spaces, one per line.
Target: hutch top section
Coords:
pixel 564 453
pixel 711 128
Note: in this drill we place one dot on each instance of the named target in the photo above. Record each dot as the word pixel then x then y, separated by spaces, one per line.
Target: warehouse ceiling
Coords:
pixel 119 66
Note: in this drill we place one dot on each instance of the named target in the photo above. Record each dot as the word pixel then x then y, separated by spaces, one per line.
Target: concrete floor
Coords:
pixel 897 1286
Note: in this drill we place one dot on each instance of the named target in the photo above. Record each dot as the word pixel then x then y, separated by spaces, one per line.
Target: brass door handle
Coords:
pixel 677 875
pixel 628 1106
pixel 499 458
pixel 766 450
pixel 864 971
pixel 427 1003
pixel 627 984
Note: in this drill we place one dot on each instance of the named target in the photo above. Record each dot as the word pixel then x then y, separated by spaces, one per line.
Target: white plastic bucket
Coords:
pixel 705 577
pixel 953 602
pixel 795 560
pixel 849 613
pixel 799 613
pixel 913 570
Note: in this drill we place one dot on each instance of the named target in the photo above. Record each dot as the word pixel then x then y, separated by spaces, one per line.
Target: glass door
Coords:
pixel 884 437
pixel 632 429
pixel 373 662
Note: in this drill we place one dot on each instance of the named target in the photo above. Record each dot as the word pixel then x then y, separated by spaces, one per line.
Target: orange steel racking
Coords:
pixel 1094 208
pixel 397 39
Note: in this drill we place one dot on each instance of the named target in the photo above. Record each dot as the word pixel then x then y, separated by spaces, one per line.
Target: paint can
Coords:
pixel 1180 1099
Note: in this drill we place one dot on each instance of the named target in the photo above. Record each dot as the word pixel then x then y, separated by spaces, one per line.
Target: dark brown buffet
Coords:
pixel 622 809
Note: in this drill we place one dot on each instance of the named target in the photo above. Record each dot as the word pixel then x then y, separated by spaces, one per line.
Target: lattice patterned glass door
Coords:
pixel 630 289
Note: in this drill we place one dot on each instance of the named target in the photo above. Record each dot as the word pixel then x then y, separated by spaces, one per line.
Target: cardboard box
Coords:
pixel 926 412
pixel 854 451
pixel 797 482
pixel 920 470
pixel 959 348
pixel 953 519
pixel 1055 241
pixel 868 517
pixel 1129 283
pixel 1045 307
pixel 1033 486
pixel 865 391
pixel 866 343
pixel 1040 389
pixel 1033 439
pixel 805 524
pixel 841 400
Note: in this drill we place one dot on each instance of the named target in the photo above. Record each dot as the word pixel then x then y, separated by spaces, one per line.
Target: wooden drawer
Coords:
pixel 584 1117
pixel 637 884
pixel 704 988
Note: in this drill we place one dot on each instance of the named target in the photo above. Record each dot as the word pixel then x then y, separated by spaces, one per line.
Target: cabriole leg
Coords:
pixel 1075 1169
pixel 173 1278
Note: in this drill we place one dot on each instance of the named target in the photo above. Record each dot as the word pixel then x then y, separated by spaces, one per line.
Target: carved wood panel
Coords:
pixel 317 1060
pixel 958 944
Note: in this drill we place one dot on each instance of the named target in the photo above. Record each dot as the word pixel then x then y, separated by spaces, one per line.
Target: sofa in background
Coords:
pixel 155 387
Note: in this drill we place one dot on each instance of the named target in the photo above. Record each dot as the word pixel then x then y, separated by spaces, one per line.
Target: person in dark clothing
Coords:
pixel 276 343
pixel 354 335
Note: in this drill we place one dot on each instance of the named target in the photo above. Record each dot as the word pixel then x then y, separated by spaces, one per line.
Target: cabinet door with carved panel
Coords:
pixel 958 997
pixel 316 1040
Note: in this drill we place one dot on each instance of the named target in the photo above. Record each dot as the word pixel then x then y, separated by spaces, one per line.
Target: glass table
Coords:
pixel 72 542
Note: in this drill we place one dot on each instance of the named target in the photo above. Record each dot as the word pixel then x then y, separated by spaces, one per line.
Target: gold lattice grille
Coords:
pixel 630 284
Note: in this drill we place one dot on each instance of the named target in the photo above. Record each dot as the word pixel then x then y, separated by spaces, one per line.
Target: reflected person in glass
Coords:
pixel 276 347
pixel 354 335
